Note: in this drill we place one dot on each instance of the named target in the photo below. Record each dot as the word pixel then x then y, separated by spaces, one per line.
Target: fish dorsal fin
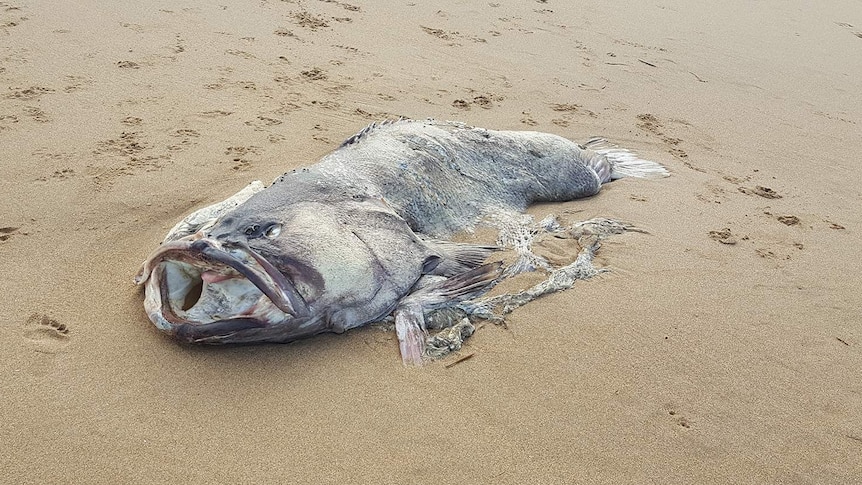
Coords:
pixel 363 133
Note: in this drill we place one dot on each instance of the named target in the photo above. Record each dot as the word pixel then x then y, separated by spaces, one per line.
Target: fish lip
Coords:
pixel 257 270
pixel 206 331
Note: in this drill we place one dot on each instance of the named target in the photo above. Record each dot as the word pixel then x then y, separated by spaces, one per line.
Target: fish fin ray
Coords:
pixel 410 328
pixel 451 291
pixel 410 313
pixel 625 163
pixel 363 133
pixel 458 257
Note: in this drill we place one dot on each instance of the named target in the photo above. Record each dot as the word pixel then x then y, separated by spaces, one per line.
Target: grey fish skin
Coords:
pixel 441 177
pixel 347 241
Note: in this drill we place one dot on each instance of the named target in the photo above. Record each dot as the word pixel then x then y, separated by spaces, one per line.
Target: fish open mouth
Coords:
pixel 200 290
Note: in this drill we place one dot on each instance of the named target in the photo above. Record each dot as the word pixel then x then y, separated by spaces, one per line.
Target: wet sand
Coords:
pixel 722 347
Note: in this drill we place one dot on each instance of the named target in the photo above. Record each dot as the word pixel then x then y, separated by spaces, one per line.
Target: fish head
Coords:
pixel 264 274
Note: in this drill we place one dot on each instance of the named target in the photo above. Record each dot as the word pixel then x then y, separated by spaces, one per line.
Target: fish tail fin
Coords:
pixel 624 163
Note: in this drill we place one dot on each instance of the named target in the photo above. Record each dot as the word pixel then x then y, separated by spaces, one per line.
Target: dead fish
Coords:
pixel 361 234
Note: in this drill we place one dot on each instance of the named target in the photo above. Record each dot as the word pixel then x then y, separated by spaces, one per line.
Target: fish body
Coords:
pixel 361 234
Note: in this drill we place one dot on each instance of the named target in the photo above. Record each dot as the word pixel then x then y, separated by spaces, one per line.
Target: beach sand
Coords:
pixel 724 346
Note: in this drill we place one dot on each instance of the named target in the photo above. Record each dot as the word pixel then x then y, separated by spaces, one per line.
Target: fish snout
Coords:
pixel 201 289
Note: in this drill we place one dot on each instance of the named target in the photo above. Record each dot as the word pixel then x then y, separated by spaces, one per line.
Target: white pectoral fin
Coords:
pixel 410 314
pixel 410 327
pixel 456 289
pixel 458 257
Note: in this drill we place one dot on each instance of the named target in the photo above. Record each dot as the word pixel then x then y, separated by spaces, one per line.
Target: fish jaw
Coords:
pixel 199 291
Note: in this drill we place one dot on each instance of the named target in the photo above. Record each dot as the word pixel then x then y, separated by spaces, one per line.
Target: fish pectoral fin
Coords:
pixel 451 291
pixel 457 257
pixel 410 327
pixel 410 313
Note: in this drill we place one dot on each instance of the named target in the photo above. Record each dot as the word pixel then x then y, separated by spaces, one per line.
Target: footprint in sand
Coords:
pixel 315 74
pixel 528 119
pixel 724 236
pixel 33 92
pixel 765 192
pixel 6 233
pixel 47 337
pixel 131 121
pixel 484 101
pixel 216 113
pixel 788 220
pixel 569 109
pixel 681 421
pixel 850 27
pixel 650 124
pixel 309 21
pixel 62 174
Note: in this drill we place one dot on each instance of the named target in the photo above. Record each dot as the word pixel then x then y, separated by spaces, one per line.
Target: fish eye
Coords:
pixel 251 229
pixel 273 231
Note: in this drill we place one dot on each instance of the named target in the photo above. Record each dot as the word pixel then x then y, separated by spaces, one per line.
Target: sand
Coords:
pixel 722 347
